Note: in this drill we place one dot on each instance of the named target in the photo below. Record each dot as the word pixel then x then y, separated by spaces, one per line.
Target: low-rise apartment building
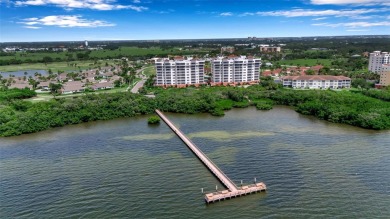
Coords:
pixel 179 72
pixel 235 70
pixel 317 82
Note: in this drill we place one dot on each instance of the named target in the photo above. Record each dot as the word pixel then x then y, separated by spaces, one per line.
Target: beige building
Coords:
pixel 266 49
pixel 385 75
pixel 229 49
pixel 377 59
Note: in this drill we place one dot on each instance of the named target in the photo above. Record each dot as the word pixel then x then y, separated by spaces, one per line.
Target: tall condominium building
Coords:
pixel 179 72
pixel 377 59
pixel 385 75
pixel 235 69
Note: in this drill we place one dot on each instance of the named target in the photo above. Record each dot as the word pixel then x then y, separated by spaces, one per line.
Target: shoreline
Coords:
pixel 22 117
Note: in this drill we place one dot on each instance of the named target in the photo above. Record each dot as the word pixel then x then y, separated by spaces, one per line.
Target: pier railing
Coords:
pixel 233 191
pixel 202 156
pixel 220 171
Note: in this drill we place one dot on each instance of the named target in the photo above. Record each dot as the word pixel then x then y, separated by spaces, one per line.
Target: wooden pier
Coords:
pixel 232 190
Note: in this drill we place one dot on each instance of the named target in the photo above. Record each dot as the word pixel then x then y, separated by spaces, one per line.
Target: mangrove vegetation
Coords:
pixel 354 108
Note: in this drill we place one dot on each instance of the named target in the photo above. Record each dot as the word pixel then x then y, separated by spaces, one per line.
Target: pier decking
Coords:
pixel 233 190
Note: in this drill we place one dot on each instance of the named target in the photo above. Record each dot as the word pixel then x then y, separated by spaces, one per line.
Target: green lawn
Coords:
pixel 55 66
pixel 48 96
pixel 34 56
pixel 150 71
pixel 308 62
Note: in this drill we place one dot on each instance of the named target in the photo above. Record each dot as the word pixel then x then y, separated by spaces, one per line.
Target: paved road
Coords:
pixel 138 86
pixel 139 83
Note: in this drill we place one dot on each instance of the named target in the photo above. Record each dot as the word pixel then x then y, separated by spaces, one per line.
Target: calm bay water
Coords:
pixel 127 169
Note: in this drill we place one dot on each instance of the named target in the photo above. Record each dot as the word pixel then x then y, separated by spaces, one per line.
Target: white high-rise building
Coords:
pixel 86 43
pixel 179 72
pixel 377 59
pixel 235 70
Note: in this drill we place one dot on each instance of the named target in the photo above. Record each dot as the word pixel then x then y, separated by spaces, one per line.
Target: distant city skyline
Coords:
pixel 92 20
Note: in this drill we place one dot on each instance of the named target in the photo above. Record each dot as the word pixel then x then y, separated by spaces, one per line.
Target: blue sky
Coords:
pixel 75 20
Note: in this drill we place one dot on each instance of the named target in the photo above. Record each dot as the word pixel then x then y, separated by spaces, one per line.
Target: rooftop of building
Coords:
pixel 316 77
pixel 234 57
pixel 379 53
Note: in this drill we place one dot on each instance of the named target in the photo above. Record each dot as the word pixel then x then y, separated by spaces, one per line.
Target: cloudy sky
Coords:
pixel 67 20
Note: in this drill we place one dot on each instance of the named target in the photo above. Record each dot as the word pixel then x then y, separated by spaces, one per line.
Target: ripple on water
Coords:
pixel 127 169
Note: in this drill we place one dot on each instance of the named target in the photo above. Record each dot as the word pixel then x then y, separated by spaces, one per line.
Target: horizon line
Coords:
pixel 200 39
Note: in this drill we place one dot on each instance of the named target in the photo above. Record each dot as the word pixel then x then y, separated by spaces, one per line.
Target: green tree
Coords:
pixel 117 83
pixel 360 83
pixel 325 70
pixel 268 83
pixel 310 72
pixel 47 59
pixel 33 83
pixel 55 89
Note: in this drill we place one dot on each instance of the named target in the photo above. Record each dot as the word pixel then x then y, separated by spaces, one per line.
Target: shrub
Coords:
pixel 154 120
pixel 263 106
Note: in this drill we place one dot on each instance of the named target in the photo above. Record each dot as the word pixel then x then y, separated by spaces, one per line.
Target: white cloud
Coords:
pixel 164 12
pixel 354 2
pixel 247 14
pixel 226 14
pixel 319 18
pixel 136 1
pixel 318 13
pixel 32 27
pixel 102 5
pixel 362 17
pixel 354 24
pixel 63 21
pixel 357 30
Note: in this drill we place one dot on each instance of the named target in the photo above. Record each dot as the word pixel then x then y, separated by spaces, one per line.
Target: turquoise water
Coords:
pixel 127 169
